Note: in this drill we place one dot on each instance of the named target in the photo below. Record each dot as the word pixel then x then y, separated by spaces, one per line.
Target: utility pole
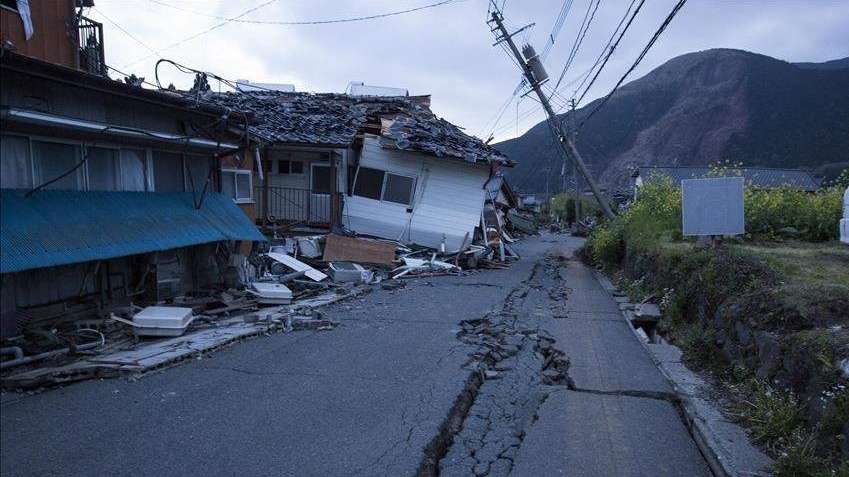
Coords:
pixel 574 131
pixel 536 76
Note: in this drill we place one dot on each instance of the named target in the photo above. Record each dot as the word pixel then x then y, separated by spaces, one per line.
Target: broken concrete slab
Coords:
pixel 605 356
pixel 647 312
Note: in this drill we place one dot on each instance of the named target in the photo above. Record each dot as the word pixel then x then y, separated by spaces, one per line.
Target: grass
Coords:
pixel 804 264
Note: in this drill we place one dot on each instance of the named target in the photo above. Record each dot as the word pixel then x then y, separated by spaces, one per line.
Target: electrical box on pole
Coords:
pixel 528 63
pixel 534 63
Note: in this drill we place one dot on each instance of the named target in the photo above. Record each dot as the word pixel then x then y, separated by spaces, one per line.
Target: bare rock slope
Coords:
pixel 703 107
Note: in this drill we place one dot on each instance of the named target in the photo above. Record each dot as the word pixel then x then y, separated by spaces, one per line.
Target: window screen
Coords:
pixel 167 172
pixel 103 169
pixel 320 180
pixel 15 169
pixel 133 172
pixel 399 189
pixel 297 167
pixel 369 183
pixel 53 159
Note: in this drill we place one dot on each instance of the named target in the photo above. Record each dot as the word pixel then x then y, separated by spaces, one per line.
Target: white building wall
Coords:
pixel 448 199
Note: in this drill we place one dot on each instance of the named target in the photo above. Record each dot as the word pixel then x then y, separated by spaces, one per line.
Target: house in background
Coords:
pixel 757 177
pixel 110 192
pixel 531 202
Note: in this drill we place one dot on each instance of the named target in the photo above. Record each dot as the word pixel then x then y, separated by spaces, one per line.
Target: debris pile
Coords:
pixel 275 288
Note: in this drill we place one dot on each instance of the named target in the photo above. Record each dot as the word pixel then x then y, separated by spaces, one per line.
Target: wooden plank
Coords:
pixel 349 249
pixel 297 265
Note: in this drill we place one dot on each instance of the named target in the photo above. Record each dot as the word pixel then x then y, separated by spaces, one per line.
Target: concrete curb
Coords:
pixel 724 445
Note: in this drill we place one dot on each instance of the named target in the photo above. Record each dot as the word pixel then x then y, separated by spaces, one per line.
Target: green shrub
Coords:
pixel 607 244
pixel 563 205
pixel 809 216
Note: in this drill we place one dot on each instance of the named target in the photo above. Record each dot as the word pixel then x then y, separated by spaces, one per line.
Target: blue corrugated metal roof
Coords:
pixel 758 177
pixel 57 227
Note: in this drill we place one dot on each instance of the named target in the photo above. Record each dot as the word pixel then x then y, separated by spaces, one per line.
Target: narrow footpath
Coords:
pixel 530 371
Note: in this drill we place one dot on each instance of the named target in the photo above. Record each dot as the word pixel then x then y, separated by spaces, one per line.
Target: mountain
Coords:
pixel 700 108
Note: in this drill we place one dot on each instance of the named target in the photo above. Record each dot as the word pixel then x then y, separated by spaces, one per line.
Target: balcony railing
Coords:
pixel 290 206
pixel 91 51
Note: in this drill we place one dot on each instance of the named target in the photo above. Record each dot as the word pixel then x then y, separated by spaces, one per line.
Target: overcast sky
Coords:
pixel 446 51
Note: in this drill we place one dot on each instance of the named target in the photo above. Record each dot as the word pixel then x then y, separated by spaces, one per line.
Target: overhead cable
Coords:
pixel 204 32
pixel 604 50
pixel 311 22
pixel 579 39
pixel 612 49
pixel 558 25
pixel 642 55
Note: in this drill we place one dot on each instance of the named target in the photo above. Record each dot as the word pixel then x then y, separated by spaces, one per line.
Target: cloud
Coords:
pixel 447 50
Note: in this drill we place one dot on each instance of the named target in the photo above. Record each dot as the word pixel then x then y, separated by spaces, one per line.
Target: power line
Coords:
pixel 496 118
pixel 196 35
pixel 642 55
pixel 558 25
pixel 612 49
pixel 313 22
pixel 119 27
pixel 604 50
pixel 579 39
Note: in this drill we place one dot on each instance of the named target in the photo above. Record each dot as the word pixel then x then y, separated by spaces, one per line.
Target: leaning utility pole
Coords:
pixel 535 74
pixel 574 132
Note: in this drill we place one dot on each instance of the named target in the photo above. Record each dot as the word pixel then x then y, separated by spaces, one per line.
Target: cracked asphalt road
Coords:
pixel 373 396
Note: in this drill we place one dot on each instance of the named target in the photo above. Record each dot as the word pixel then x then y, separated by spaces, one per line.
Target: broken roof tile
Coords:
pixel 329 119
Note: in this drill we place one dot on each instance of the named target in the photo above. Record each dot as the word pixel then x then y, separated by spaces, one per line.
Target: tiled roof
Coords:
pixel 758 177
pixel 330 119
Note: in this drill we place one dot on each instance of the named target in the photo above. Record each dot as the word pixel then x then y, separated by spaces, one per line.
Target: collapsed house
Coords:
pixel 378 166
pixel 110 193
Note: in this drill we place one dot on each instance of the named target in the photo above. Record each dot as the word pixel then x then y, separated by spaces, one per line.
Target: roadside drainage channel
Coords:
pixel 724 445
pixel 512 368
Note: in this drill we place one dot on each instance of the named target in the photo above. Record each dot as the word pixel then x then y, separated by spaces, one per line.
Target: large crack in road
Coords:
pixel 512 366
pixel 518 365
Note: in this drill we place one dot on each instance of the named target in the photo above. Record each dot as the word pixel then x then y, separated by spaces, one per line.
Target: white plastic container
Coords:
pixel 162 321
pixel 269 293
pixel 345 272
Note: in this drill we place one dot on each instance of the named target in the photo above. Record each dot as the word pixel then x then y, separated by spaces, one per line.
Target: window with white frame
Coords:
pixel 238 184
pixel 386 186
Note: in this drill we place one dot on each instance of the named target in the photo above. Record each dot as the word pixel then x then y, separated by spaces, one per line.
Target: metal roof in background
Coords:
pixel 758 177
pixel 57 227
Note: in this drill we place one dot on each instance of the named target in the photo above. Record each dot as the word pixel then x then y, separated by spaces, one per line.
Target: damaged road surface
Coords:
pixel 527 371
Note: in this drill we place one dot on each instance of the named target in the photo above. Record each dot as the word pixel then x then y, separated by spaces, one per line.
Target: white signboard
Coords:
pixel 713 206
pixel 844 223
